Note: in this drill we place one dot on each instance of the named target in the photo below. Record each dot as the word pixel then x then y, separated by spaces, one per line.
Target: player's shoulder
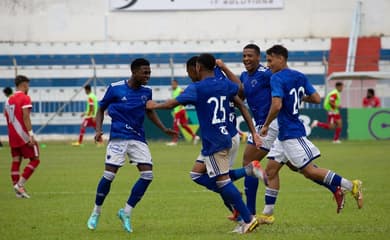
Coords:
pixel 118 83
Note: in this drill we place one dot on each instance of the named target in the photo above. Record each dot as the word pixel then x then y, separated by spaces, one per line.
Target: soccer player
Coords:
pixel 7 92
pixel 210 96
pixel 289 88
pixel 180 116
pixel 255 87
pixel 126 102
pixel 332 106
pixel 89 115
pixel 21 136
pixel 371 101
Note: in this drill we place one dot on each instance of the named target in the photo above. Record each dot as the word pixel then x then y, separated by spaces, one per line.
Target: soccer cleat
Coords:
pixel 238 227
pixel 196 139
pixel 18 195
pixel 266 219
pixel 249 227
pixel 336 141
pixel 21 191
pixel 314 124
pixel 171 144
pixel 125 219
pixel 76 144
pixel 357 192
pixel 339 198
pixel 93 221
pixel 258 171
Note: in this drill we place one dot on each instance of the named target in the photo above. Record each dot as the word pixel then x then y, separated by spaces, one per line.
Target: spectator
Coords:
pixel 371 101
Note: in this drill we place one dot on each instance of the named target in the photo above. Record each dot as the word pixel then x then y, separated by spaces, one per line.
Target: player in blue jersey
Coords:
pixel 289 88
pixel 210 95
pixel 125 102
pixel 255 87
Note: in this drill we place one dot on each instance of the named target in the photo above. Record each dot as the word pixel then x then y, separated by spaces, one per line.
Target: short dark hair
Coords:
pixel 137 63
pixel 192 61
pixel 20 79
pixel 278 50
pixel 7 91
pixel 207 61
pixel 87 87
pixel 372 91
pixel 254 47
pixel 339 84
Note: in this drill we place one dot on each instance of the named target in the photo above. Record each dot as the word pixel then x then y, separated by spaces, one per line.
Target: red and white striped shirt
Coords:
pixel 17 131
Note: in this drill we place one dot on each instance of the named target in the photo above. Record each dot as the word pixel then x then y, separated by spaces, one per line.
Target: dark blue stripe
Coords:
pixel 215 165
pixel 305 147
pixel 155 58
pixel 385 54
pixel 60 129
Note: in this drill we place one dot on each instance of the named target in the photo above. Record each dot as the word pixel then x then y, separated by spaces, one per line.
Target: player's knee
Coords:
pixel 147 175
pixel 35 162
pixel 109 175
pixel 195 176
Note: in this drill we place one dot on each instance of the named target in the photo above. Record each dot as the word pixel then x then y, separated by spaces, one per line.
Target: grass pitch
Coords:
pixel 63 191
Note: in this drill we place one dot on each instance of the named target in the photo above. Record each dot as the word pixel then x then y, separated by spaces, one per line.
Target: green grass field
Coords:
pixel 63 191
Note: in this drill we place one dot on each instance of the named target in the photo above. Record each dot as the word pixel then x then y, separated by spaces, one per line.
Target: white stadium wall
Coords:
pixel 91 20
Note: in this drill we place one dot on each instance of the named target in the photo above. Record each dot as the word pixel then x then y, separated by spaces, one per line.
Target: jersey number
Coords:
pixel 218 108
pixel 10 109
pixel 297 98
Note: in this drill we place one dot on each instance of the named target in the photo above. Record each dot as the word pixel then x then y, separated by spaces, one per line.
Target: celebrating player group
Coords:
pixel 273 94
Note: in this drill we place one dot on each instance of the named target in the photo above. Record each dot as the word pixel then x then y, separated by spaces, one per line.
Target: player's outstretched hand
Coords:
pixel 264 131
pixel 32 141
pixel 257 140
pixel 150 104
pixel 171 132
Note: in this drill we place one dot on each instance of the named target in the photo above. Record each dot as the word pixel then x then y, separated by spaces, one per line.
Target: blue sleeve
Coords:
pixel 107 98
pixel 309 89
pixel 218 73
pixel 188 96
pixel 276 86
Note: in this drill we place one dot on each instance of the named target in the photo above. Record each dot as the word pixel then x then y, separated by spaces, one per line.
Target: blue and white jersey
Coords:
pixel 290 85
pixel 232 123
pixel 257 91
pixel 126 107
pixel 211 98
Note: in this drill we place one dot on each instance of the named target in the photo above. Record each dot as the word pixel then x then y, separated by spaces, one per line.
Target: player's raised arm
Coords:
pixel 230 75
pixel 248 119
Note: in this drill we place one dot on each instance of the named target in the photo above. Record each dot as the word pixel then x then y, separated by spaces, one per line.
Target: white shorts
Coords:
pixel 138 152
pixel 299 151
pixel 234 150
pixel 268 140
pixel 216 164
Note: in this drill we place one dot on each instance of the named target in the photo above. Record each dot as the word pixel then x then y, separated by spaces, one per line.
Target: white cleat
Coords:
pixel 314 124
pixel 21 191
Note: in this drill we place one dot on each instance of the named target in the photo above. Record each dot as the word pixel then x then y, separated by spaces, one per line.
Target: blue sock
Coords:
pixel 102 190
pixel 333 179
pixel 204 180
pixel 232 195
pixel 138 191
pixel 236 174
pixel 330 187
pixel 251 184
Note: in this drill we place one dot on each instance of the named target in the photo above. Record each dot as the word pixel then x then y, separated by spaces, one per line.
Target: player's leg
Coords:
pixel 114 160
pixel 83 127
pixel 325 125
pixel 31 152
pixel 184 124
pixel 217 165
pixel 301 152
pixel 92 124
pixel 276 160
pixel 15 165
pixel 338 126
pixel 175 127
pixel 139 153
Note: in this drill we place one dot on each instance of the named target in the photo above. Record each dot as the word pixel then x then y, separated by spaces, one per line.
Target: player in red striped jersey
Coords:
pixel 21 136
